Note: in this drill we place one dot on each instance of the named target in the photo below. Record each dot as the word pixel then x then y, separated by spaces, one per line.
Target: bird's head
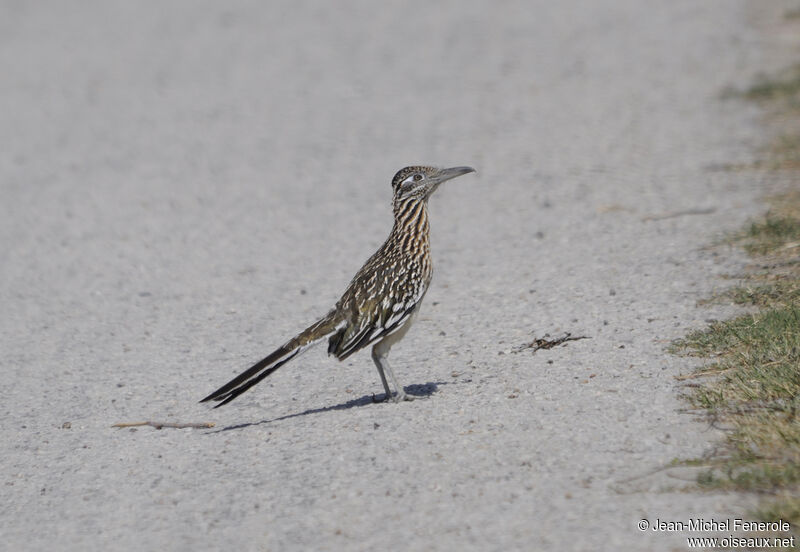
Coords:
pixel 420 181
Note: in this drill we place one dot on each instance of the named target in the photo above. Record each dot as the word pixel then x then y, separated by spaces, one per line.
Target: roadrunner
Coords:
pixel 383 298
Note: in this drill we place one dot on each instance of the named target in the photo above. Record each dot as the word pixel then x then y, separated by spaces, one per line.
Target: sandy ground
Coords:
pixel 187 184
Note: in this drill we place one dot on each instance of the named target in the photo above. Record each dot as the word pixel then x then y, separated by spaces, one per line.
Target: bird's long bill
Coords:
pixel 446 174
pixel 453 172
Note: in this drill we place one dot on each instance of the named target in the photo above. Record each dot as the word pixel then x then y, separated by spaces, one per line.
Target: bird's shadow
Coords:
pixel 417 390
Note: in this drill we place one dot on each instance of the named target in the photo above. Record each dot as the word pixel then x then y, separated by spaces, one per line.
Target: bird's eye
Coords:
pixel 416 177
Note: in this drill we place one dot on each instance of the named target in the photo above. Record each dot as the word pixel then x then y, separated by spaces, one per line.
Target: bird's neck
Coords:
pixel 411 219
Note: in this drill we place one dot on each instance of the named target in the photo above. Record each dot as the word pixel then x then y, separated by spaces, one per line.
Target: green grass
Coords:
pixel 783 86
pixel 771 234
pixel 780 96
pixel 759 355
pixel 785 151
pixel 754 390
pixel 785 507
pixel 778 292
pixel 752 385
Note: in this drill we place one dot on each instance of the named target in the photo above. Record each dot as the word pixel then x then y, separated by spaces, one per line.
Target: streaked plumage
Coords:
pixel 380 303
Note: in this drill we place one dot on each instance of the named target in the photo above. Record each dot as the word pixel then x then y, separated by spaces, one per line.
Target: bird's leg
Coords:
pixel 377 360
pixel 382 363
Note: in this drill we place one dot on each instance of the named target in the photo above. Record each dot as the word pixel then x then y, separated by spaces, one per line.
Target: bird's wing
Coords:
pixel 376 324
pixel 378 302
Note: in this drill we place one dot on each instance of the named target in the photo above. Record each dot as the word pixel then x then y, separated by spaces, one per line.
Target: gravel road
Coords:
pixel 185 185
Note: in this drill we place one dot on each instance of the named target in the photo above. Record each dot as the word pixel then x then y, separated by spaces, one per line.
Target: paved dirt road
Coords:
pixel 186 185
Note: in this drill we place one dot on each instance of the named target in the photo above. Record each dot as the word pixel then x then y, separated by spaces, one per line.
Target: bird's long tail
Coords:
pixel 264 367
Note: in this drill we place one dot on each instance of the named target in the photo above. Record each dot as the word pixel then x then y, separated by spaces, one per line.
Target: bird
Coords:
pixel 383 298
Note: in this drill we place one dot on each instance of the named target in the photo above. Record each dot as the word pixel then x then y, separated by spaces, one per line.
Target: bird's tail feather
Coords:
pixel 283 354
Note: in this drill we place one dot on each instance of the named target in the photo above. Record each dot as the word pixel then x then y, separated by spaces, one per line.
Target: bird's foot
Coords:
pixel 401 396
pixel 396 398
